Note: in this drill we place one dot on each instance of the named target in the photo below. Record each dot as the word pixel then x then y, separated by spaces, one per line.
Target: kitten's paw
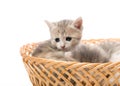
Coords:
pixel 69 56
pixel 115 57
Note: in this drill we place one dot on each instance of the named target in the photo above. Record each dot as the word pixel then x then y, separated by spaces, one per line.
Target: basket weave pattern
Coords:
pixel 44 72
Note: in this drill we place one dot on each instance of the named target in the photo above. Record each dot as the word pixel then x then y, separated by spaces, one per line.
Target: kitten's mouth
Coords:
pixel 65 49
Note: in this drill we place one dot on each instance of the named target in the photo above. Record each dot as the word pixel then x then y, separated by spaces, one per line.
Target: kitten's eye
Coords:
pixel 57 39
pixel 68 38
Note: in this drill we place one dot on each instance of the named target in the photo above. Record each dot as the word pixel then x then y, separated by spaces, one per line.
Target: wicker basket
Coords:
pixel 44 72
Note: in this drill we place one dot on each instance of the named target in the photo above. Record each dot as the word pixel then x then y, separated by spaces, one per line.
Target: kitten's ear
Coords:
pixel 78 23
pixel 49 24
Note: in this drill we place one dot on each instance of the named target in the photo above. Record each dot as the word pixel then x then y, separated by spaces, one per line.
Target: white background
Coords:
pixel 22 22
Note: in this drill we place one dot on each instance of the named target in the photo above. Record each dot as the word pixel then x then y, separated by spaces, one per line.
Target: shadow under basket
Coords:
pixel 44 72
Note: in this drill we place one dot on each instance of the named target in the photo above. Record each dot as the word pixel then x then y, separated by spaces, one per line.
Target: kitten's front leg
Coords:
pixel 69 56
pixel 57 55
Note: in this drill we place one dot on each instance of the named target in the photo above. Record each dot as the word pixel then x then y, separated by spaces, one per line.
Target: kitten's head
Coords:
pixel 65 34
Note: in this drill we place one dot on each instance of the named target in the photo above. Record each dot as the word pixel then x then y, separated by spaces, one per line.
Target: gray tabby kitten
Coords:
pixel 65 45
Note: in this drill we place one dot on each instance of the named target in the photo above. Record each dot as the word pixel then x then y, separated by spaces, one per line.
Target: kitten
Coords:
pixel 65 35
pixel 65 45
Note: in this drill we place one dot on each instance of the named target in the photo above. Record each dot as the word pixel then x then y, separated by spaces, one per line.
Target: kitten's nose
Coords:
pixel 63 46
